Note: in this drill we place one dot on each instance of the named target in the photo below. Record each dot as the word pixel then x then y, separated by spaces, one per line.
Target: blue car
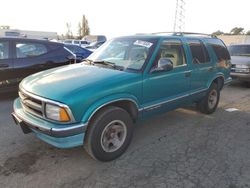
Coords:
pixel 81 53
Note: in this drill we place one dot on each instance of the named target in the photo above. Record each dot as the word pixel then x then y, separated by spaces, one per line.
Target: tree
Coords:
pixel 83 27
pixel 218 33
pixel 69 34
pixel 4 27
pixel 248 32
pixel 237 31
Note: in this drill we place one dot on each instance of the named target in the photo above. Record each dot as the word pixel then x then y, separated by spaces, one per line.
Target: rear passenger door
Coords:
pixel 201 63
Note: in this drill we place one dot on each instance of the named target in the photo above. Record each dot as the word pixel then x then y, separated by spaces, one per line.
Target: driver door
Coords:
pixel 165 90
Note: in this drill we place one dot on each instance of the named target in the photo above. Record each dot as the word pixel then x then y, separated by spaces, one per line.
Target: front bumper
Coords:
pixel 241 76
pixel 55 134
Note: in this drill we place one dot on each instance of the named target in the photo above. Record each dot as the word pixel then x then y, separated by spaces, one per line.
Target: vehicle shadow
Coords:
pixel 8 96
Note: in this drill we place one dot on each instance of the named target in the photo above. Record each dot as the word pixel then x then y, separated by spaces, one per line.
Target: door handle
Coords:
pixel 187 73
pixel 4 65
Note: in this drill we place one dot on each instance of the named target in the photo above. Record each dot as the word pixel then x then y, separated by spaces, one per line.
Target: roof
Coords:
pixel 173 34
pixel 28 40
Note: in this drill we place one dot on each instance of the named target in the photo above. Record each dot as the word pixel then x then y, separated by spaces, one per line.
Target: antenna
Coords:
pixel 179 20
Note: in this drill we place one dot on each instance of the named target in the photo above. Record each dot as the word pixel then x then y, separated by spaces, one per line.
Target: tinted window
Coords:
pixel 199 51
pixel 220 49
pixel 239 50
pixel 29 50
pixel 173 50
pixel 76 42
pixel 4 50
pixel 84 42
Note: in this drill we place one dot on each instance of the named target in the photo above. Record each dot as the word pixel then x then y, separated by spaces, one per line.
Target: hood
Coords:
pixel 62 82
pixel 242 60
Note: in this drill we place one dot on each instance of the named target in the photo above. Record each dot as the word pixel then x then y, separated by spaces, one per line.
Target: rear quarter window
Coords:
pixel 219 49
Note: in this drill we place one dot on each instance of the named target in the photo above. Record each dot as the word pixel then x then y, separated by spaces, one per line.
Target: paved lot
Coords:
pixel 182 148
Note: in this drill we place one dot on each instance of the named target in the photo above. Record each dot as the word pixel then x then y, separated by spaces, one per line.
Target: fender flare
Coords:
pixel 89 113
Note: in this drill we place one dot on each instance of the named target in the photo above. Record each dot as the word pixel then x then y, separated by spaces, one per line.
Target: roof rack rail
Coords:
pixel 186 33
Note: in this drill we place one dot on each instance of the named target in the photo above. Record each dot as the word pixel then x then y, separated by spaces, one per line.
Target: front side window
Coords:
pixel 24 50
pixel 129 53
pixel 199 52
pixel 4 50
pixel 172 49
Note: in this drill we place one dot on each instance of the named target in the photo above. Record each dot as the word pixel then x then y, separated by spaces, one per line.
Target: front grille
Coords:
pixel 31 105
pixel 233 67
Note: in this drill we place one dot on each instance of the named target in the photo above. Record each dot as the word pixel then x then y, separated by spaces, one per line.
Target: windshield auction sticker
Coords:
pixel 143 43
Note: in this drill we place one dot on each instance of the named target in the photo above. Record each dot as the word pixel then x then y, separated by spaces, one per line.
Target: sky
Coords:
pixel 124 17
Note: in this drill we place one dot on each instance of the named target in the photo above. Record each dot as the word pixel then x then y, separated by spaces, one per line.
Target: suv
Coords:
pixel 20 57
pixel 240 54
pixel 97 102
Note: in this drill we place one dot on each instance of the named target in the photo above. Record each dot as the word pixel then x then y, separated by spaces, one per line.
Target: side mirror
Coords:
pixel 164 64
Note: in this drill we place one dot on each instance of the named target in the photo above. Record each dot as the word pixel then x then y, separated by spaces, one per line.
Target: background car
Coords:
pixel 20 57
pixel 81 43
pixel 240 55
pixel 94 45
pixel 81 53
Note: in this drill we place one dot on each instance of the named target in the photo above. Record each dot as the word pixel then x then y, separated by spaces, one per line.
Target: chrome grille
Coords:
pixel 31 105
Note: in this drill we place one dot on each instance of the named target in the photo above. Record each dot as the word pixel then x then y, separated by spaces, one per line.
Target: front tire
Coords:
pixel 109 134
pixel 210 102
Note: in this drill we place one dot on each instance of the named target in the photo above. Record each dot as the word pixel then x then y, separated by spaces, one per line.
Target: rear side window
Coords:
pixel 220 50
pixel 4 50
pixel 24 50
pixel 199 52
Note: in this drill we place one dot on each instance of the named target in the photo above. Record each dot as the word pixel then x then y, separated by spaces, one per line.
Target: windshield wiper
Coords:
pixel 103 62
pixel 107 63
pixel 89 61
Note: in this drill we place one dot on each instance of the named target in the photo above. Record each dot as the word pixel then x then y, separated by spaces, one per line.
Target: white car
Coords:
pixel 240 55
pixel 81 43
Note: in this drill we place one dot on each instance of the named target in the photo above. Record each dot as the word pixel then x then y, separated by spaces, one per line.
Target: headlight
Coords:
pixel 56 113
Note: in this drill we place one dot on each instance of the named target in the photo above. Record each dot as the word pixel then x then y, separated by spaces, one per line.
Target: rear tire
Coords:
pixel 109 134
pixel 210 102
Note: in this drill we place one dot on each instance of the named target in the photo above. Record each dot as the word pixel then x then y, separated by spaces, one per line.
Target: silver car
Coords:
pixel 240 58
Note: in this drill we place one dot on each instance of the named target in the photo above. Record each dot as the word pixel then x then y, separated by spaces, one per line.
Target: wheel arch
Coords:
pixel 127 103
pixel 219 79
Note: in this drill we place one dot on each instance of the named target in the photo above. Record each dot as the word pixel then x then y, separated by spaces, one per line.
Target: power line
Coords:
pixel 179 21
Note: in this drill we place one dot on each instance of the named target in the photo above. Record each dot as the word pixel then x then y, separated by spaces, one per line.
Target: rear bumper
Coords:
pixel 240 76
pixel 62 136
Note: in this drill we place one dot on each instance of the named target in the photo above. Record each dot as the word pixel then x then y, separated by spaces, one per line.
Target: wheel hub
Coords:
pixel 113 136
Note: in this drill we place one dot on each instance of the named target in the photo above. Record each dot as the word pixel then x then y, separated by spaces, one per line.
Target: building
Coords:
pixel 235 39
pixel 28 34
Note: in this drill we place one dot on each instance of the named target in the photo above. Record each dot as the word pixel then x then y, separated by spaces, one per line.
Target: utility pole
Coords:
pixel 179 20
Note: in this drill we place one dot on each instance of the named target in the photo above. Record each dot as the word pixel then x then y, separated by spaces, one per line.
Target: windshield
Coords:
pixel 129 53
pixel 239 50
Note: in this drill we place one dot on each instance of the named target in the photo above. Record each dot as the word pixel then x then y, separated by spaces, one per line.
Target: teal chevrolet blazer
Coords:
pixel 97 102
